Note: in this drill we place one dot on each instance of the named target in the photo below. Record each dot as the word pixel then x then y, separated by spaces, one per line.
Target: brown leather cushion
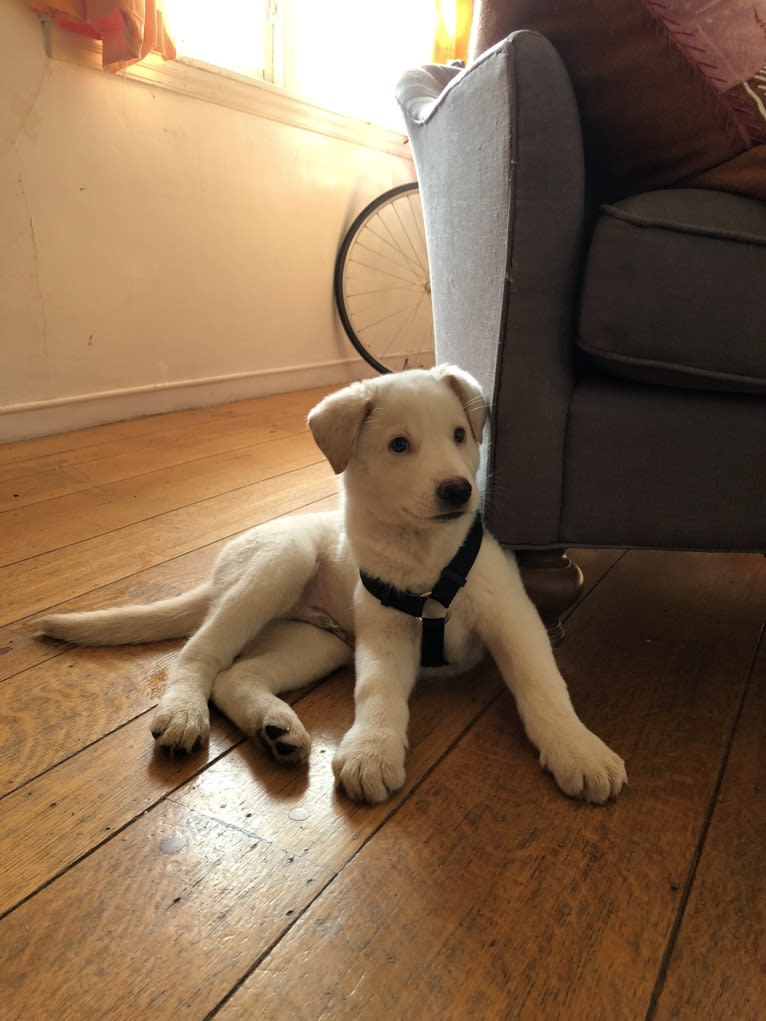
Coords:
pixel 668 94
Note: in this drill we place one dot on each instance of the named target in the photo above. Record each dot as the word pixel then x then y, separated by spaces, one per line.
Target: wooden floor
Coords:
pixel 138 886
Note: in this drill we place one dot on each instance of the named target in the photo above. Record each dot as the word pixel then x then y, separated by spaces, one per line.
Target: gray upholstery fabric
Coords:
pixel 665 468
pixel 673 290
pixel 499 160
pixel 579 456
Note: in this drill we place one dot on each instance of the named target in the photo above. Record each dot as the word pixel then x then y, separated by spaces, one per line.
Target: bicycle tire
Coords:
pixel 382 285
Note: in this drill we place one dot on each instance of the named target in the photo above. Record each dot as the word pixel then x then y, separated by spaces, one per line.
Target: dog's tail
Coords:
pixel 176 617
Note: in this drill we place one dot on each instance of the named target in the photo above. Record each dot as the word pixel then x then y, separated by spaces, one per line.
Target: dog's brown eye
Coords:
pixel 460 435
pixel 399 445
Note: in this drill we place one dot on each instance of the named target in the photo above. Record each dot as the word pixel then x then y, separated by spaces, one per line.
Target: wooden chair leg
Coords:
pixel 554 584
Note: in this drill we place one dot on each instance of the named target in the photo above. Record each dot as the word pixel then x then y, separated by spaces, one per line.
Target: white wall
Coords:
pixel 159 251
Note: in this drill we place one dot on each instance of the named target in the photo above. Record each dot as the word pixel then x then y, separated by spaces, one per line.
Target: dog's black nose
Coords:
pixel 455 493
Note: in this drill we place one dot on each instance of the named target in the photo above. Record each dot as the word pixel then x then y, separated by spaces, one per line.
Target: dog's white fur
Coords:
pixel 249 643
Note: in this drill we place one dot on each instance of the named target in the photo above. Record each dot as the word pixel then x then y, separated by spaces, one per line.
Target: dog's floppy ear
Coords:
pixel 335 423
pixel 470 394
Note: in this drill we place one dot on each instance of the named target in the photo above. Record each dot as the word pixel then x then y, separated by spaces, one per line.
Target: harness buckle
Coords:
pixel 433 604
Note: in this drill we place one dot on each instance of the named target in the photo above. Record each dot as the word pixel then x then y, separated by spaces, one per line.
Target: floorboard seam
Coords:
pixel 696 856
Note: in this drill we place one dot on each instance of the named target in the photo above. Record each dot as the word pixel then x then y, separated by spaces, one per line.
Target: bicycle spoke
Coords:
pixel 382 283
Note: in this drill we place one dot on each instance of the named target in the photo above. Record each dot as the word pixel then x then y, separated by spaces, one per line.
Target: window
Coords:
pixel 345 55
pixel 234 34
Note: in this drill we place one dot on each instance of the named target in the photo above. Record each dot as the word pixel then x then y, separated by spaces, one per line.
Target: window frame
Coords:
pixel 213 84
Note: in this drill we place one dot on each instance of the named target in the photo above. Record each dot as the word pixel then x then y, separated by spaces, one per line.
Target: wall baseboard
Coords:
pixel 43 418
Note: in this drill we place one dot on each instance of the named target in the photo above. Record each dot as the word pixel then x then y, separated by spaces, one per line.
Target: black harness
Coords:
pixel 451 580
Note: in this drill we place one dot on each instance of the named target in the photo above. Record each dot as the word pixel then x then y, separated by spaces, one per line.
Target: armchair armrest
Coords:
pixel 498 153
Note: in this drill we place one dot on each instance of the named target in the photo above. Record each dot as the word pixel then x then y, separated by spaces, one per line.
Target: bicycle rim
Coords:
pixel 382 283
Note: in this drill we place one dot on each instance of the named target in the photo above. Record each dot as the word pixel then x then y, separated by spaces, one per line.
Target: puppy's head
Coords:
pixel 407 442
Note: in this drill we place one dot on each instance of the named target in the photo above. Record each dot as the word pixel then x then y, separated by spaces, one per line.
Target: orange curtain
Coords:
pixel 453 30
pixel 129 29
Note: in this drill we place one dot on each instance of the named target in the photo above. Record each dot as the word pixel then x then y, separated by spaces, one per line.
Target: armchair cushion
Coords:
pixel 670 92
pixel 672 291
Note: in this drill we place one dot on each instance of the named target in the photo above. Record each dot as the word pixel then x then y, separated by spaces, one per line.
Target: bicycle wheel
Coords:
pixel 382 283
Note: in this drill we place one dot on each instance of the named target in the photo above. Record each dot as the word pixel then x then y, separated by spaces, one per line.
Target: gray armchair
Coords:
pixel 623 347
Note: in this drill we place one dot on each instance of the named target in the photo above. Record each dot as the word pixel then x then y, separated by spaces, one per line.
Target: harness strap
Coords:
pixel 450 581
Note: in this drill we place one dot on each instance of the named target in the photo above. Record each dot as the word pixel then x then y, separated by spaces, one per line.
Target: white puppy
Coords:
pixel 286 599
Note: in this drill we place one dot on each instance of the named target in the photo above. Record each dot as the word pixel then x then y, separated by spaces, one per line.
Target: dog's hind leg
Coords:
pixel 287 655
pixel 269 586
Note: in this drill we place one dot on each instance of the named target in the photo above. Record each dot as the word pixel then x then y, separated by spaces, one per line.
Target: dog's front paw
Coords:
pixel 181 722
pixel 283 734
pixel 369 766
pixel 584 767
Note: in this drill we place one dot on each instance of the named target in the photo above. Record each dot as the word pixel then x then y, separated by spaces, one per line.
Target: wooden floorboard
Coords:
pixel 220 885
pixel 285 412
pixel 51 524
pixel 488 894
pixel 244 789
pixel 483 897
pixel 718 965
pixel 46 580
pixel 656 661
pixel 65 813
pixel 82 467
pixel 122 935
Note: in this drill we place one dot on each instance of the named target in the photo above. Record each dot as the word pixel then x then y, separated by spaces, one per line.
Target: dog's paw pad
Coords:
pixel 273 733
pixel 289 745
pixel 286 750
